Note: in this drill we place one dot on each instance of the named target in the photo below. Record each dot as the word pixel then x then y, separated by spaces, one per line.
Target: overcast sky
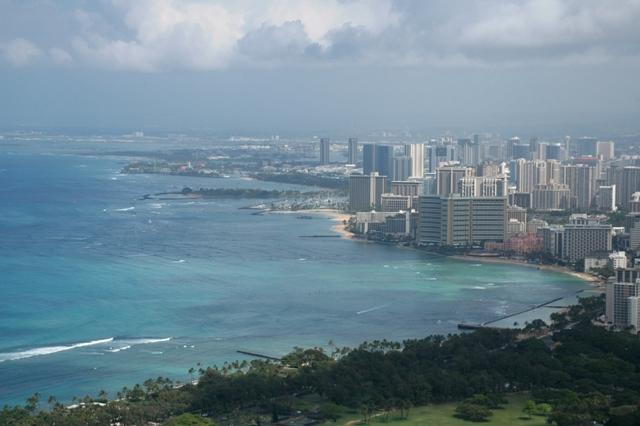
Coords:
pixel 540 66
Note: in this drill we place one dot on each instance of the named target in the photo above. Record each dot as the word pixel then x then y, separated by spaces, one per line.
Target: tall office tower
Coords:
pixel 621 304
pixel 402 167
pixel 581 182
pixel 461 221
pixel 325 148
pixel 605 150
pixel 384 160
pixel 521 151
pixel 468 152
pixel 533 145
pixel 550 197
pixel 567 147
pixel 353 151
pixel 437 154
pixel 555 152
pixel 541 151
pixel 606 198
pixel 365 191
pixel 628 182
pixel 586 146
pixel 416 152
pixel 509 147
pixel 368 158
pixel 377 158
pixel 449 176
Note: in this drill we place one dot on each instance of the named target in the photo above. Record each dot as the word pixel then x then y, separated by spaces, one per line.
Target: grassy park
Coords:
pixel 443 415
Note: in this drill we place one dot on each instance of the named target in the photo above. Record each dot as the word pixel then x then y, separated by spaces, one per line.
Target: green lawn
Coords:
pixel 442 415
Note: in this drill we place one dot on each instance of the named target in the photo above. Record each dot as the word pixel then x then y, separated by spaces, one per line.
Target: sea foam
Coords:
pixel 48 350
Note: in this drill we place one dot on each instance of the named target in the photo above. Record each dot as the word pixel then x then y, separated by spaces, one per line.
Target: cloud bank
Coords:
pixel 160 35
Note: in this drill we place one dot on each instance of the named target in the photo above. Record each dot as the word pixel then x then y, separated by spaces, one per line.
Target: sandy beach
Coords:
pixel 337 216
pixel 555 268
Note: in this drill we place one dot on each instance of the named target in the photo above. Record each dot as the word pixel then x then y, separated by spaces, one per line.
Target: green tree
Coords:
pixel 473 412
pixel 529 409
pixel 188 420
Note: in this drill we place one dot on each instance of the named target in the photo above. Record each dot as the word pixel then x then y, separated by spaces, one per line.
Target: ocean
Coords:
pixel 100 290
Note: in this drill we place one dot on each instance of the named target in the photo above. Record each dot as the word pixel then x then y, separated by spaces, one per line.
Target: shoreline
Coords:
pixel 597 282
pixel 337 216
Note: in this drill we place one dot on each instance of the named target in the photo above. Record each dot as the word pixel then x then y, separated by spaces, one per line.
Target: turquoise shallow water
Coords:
pixel 99 290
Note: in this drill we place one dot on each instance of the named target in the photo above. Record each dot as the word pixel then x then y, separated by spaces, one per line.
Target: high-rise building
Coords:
pixel 617 302
pixel 509 147
pixel 325 149
pixel 365 191
pixel 402 168
pixel 518 213
pixel 448 178
pixel 481 186
pixel 456 220
pixel 410 188
pixel 352 151
pixel 521 151
pixel 554 171
pixel 533 145
pixel 395 203
pixel 578 240
pixel 555 152
pixel 634 204
pixel 377 158
pixel 529 174
pixel 368 158
pixel 605 150
pixel 437 154
pixel 567 147
pixel 606 198
pixel 549 197
pixel 541 152
pixel 581 182
pixel 586 146
pixel 416 152
pixel 628 182
pixel 468 152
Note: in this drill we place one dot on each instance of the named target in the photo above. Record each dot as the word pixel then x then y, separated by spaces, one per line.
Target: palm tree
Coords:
pixel 32 402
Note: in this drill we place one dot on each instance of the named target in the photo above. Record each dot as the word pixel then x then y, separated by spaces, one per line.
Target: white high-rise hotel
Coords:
pixel 416 152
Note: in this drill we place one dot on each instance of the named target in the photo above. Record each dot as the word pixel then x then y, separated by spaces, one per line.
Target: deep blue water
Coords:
pixel 99 289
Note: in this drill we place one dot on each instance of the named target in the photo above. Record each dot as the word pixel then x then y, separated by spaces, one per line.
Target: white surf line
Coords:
pixel 375 308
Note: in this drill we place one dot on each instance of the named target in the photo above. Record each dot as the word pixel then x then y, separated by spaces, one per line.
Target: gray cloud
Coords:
pixel 159 35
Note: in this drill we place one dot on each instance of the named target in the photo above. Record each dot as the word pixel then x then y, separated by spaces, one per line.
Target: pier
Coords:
pixel 257 355
pixel 487 324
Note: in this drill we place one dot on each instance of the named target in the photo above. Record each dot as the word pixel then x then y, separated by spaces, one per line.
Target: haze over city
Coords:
pixel 522 67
